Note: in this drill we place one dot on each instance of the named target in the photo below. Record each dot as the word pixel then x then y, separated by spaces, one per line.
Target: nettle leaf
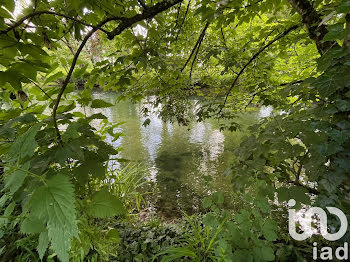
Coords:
pixel 99 103
pixel 330 82
pixel 25 144
pixel 104 204
pixel 343 105
pixel 61 241
pixel 43 244
pixel 207 202
pixel 54 203
pixel 8 211
pixel 32 225
pixel 218 197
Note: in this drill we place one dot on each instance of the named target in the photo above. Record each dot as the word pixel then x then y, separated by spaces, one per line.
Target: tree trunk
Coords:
pixel 312 21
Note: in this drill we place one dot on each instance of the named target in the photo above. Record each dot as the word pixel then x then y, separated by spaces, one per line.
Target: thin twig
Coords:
pixel 252 59
pixel 195 46
pixel 183 20
pixel 198 47
pixel 178 14
pixel 41 89
pixel 66 81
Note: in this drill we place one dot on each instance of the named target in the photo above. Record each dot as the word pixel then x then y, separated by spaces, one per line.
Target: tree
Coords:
pixel 234 53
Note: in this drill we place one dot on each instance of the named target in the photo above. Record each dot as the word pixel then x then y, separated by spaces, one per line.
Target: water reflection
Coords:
pixel 178 158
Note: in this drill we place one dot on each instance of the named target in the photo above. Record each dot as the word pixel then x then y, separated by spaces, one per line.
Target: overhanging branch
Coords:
pixel 148 13
pixel 286 32
pixel 66 80
pixel 197 45
pixel 38 13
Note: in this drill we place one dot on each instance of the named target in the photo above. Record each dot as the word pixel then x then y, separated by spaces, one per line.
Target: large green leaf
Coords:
pixel 54 203
pixel 104 204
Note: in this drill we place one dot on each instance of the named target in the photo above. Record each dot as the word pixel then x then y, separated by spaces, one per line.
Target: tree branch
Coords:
pixel 126 23
pixel 66 80
pixel 286 32
pixel 313 20
pixel 198 42
pixel 38 13
pixel 41 90
pixel 148 13
pixel 183 20
pixel 178 14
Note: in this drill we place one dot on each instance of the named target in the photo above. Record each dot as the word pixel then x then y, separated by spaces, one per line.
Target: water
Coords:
pixel 185 163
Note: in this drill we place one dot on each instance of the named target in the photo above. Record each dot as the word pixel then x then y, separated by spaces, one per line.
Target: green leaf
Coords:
pixel 99 103
pixel 43 244
pixel 242 255
pixel 54 77
pixel 269 230
pixel 71 132
pixel 113 235
pixel 4 199
pixel 60 241
pixel 8 211
pixel 263 254
pixel 343 105
pixel 32 225
pixel 9 4
pixel 26 143
pixel 299 194
pixel 344 7
pixel 77 33
pixel 15 180
pixel 218 197
pixel 54 204
pixel 207 202
pixel 267 254
pixel 336 32
pixel 104 204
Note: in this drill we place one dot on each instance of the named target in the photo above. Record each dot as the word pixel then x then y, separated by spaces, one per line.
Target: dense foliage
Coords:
pixel 56 190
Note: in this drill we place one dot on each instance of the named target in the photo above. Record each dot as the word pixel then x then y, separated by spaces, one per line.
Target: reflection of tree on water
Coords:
pixel 178 158
pixel 173 195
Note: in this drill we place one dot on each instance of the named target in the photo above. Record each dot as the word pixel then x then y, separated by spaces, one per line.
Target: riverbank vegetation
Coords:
pixel 66 195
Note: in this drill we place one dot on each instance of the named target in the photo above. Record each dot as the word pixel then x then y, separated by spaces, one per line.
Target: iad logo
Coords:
pixel 326 252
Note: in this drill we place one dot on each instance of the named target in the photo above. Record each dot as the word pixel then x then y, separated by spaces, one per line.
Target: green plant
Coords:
pixel 128 183
pixel 198 242
pixel 141 241
pixel 246 53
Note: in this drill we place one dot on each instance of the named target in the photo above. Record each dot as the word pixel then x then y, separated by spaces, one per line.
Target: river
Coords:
pixel 184 163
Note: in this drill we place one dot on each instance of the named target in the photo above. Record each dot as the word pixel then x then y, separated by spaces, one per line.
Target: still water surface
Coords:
pixel 185 163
